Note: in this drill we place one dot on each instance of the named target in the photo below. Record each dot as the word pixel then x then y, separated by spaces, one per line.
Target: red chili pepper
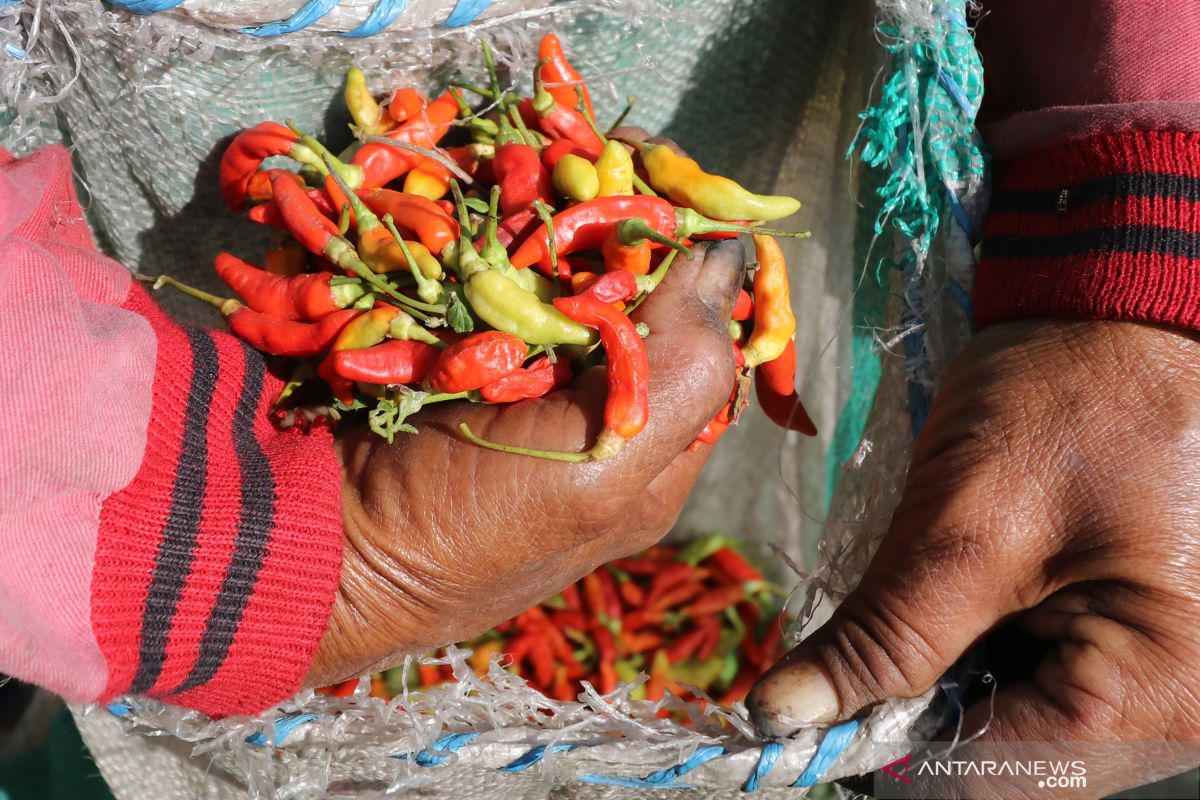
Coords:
pixel 593 595
pixel 612 602
pixel 585 226
pixel 249 149
pixel 307 297
pixel 618 286
pixel 570 595
pixel 343 689
pixel 429 674
pixel 521 177
pixel 643 617
pixel 269 212
pixel 553 152
pixel 676 596
pixel 715 428
pixel 776 391
pixel 711 626
pixel 405 104
pixel 382 163
pixel 627 406
pixel 744 308
pixel 669 577
pixel 259 187
pixel 561 121
pixel 608 677
pixel 740 688
pixel 730 563
pixel 415 215
pixel 514 229
pixel 310 227
pixel 476 361
pixel 605 646
pixel 633 642
pixel 538 379
pixel 286 258
pixel 638 565
pixel 559 71
pixel 281 337
pixel 686 645
pixel 393 361
pixel 633 595
pixel 716 600
pixel 570 619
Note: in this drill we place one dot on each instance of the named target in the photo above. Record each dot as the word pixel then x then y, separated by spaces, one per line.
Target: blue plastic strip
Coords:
pixel 309 13
pixel 16 52
pixel 960 214
pixel 145 6
pixel 766 762
pixel 283 728
pixel 119 709
pixel 664 778
pixel 450 743
pixel 836 740
pixel 962 298
pixel 383 14
pixel 956 93
pixel 465 12
pixel 534 756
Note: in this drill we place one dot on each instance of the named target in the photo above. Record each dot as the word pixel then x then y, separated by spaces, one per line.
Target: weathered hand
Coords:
pixel 445 539
pixel 1056 488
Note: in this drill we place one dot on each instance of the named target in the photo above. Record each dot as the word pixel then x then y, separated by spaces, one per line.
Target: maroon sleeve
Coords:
pixel 1089 111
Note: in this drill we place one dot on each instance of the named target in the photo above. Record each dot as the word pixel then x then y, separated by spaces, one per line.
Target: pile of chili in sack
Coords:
pixel 699 620
pixel 486 254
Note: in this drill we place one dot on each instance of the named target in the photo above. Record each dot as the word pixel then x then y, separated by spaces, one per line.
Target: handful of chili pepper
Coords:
pixel 458 255
pixel 693 617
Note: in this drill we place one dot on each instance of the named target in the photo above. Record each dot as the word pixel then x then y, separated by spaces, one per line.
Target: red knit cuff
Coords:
pixel 216 567
pixel 1106 227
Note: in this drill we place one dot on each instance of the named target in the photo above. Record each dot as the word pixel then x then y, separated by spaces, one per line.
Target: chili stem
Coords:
pixel 192 291
pixel 547 218
pixel 654 279
pixel 436 155
pixel 629 101
pixel 552 455
pixel 474 89
pixel 426 287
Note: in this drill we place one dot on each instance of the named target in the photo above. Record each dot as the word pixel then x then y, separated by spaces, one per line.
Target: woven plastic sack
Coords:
pixel 767 91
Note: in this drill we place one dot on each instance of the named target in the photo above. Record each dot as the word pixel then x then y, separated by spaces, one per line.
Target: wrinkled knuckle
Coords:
pixel 874 654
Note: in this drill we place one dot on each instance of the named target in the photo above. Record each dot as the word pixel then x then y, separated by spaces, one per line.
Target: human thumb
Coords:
pixel 929 593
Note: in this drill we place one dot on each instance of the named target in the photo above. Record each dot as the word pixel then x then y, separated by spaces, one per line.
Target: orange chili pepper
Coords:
pixel 558 70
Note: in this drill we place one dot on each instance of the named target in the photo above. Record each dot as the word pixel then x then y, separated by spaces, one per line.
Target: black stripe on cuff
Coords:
pixel 1109 187
pixel 173 562
pixel 1114 239
pixel 253 534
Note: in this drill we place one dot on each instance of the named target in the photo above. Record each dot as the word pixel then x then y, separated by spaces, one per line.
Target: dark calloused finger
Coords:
pixel 918 608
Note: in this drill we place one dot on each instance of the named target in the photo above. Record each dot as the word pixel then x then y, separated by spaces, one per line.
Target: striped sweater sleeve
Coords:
pixel 191 551
pixel 1092 112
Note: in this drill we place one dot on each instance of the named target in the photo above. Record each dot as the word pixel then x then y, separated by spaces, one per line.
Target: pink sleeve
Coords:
pixel 76 373
pixel 1092 113
pixel 1070 69
pixel 161 537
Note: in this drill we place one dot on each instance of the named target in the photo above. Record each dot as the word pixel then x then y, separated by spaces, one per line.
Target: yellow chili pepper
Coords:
pixel 681 179
pixel 428 179
pixel 502 303
pixel 575 177
pixel 615 168
pixel 774 323
pixel 367 114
